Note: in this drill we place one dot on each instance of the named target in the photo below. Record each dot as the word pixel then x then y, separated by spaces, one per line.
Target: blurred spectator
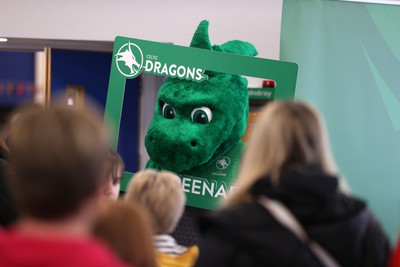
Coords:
pixel 287 161
pixel 15 114
pixel 126 229
pixel 161 194
pixel 8 209
pixel 55 177
pixel 114 170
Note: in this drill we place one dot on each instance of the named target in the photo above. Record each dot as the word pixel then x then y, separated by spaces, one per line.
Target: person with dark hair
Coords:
pixel 288 208
pixel 114 170
pixel 56 179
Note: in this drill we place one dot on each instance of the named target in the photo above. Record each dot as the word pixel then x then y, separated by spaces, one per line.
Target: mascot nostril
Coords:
pixel 193 143
pixel 151 138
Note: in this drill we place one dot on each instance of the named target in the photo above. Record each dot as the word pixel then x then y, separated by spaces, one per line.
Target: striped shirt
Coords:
pixel 167 244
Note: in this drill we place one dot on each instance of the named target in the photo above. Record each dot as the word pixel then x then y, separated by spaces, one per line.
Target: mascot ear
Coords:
pixel 239 48
pixel 200 38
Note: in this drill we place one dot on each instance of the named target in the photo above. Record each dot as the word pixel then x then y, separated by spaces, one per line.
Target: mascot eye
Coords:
pixel 201 115
pixel 168 111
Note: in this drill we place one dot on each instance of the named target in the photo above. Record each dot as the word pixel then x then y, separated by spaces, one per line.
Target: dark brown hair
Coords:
pixel 114 166
pixel 55 159
pixel 127 231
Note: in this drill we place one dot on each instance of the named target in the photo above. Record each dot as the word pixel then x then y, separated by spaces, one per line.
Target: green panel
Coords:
pixel 348 56
pixel 133 56
pixel 261 93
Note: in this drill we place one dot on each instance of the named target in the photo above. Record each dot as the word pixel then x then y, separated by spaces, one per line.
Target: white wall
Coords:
pixel 256 21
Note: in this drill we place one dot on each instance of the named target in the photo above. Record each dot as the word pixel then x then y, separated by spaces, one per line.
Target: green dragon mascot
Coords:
pixel 194 124
pixel 197 127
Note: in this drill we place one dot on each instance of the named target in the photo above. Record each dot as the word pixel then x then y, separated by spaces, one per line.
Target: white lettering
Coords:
pixel 152 57
pixel 181 75
pixel 190 73
pixel 164 70
pixel 206 187
pixel 157 66
pixel 196 187
pixel 172 70
pixel 185 184
pixel 221 192
pixel 149 65
pixel 199 75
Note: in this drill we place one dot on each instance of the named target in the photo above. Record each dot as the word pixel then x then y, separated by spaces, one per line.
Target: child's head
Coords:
pixel 125 228
pixel 55 159
pixel 114 172
pixel 161 194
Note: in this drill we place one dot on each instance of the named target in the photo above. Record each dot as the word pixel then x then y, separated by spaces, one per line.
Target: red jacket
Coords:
pixel 395 258
pixel 17 250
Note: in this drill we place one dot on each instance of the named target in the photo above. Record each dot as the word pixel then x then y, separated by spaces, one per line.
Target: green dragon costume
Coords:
pixel 197 126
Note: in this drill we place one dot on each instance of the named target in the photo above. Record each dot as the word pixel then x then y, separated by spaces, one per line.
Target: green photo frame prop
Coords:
pixel 134 56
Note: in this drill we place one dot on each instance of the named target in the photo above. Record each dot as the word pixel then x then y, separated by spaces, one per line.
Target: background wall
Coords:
pixel 80 68
pixel 349 66
pixel 16 77
pixel 164 21
pixel 91 70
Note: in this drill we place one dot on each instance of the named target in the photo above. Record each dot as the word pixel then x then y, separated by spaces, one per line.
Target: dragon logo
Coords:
pixel 223 163
pixel 129 60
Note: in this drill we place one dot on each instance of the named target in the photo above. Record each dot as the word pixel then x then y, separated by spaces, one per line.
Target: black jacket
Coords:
pixel 247 235
pixel 8 210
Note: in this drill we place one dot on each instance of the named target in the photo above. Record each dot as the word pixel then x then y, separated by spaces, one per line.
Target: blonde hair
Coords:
pixel 286 135
pixel 125 228
pixel 161 194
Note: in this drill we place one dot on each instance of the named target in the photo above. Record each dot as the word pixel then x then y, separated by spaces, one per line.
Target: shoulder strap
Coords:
pixel 283 215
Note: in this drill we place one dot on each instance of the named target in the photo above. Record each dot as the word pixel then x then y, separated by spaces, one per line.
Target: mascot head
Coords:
pixel 195 122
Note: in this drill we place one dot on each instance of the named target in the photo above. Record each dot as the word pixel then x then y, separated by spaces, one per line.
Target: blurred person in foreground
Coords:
pixel 288 161
pixel 161 195
pixel 8 208
pixel 55 177
pixel 125 227
pixel 114 170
